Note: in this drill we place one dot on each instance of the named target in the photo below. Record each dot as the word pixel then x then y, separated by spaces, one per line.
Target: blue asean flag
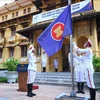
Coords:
pixel 52 37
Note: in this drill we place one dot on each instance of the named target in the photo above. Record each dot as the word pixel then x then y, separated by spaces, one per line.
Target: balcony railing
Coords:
pixel 1 40
pixel 11 39
pixel 0 60
pixel 23 59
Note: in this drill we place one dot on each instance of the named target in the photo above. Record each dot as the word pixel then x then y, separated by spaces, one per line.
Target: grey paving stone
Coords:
pixel 74 98
pixel 63 96
pixel 1 98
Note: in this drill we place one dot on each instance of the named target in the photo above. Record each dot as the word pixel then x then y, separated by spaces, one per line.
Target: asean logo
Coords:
pixel 57 31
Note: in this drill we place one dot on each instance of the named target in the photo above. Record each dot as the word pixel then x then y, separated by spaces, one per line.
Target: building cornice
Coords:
pixel 14 6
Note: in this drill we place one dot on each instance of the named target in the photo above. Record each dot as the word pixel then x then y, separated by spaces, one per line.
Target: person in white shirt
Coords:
pixel 56 64
pixel 31 70
pixel 79 69
pixel 88 66
pixel 44 61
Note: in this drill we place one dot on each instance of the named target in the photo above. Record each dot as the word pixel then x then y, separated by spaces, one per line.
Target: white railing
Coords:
pixel 23 59
pixel 11 38
pixel 1 39
pixel 0 59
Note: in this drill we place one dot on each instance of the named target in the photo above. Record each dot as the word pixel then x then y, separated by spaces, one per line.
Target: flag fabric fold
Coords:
pixel 52 37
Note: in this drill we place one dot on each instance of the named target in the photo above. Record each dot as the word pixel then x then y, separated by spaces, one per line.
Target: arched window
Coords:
pixel 11 52
pixel 0 53
pixel 13 30
pixel 24 51
pixel 2 34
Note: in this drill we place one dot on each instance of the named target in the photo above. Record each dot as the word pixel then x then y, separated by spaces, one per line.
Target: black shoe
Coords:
pixel 78 91
pixel 33 94
pixel 29 95
pixel 82 92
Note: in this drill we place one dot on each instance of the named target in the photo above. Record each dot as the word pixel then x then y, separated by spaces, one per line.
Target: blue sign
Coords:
pixel 22 67
pixel 52 14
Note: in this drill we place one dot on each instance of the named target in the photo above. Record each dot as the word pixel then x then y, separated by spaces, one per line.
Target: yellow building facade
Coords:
pixel 17 18
pixel 13 17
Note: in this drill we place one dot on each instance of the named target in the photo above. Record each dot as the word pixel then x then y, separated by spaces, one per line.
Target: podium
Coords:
pixel 22 77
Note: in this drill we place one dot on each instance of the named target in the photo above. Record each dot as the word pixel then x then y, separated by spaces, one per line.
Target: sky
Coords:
pixel 2 2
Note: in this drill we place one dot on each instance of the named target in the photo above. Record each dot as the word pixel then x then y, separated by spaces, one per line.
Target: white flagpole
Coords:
pixel 72 93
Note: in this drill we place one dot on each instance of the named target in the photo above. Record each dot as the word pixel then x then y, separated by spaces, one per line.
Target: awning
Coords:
pixel 81 16
pixel 86 15
pixel 24 43
pixel 27 31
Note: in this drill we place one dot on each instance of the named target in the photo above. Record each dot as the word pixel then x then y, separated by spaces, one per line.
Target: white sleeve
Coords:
pixel 54 61
pixel 83 50
pixel 77 57
pixel 75 46
pixel 35 59
pixel 42 58
pixel 29 51
pixel 86 50
pixel 57 62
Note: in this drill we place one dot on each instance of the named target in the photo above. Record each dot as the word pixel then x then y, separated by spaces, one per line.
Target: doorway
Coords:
pixel 65 51
pixel 81 41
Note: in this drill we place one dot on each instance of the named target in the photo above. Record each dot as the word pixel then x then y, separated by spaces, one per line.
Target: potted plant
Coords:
pixel 10 65
pixel 96 64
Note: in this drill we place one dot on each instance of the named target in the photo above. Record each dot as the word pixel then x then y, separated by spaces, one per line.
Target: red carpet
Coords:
pixel 35 87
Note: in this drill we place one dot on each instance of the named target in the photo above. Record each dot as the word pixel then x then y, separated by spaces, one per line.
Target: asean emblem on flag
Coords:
pixel 57 31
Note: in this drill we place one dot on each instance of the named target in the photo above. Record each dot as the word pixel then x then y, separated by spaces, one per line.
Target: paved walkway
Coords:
pixel 45 92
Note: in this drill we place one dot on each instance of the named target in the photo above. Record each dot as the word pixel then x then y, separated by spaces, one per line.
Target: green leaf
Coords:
pixel 11 64
pixel 96 63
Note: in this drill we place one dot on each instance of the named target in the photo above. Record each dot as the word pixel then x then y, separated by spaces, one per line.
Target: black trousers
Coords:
pixel 92 94
pixel 56 70
pixel 29 88
pixel 44 69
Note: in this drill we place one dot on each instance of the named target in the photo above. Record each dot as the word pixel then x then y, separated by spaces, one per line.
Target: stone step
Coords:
pixel 61 78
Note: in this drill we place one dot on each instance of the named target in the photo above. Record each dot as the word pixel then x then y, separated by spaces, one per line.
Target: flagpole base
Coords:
pixel 73 93
pixel 72 96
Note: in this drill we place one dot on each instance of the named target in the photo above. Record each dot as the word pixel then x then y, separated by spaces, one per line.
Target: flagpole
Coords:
pixel 72 93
